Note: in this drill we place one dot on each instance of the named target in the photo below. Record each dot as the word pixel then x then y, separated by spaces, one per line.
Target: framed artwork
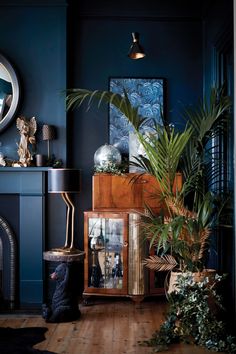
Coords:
pixel 145 93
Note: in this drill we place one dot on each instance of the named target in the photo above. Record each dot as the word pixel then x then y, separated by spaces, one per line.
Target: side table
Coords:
pixel 62 257
pixel 64 305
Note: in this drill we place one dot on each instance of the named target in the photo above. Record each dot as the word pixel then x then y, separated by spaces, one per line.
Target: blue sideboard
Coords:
pixel 29 185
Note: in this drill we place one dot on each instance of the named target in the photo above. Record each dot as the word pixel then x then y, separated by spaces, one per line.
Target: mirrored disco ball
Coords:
pixel 107 154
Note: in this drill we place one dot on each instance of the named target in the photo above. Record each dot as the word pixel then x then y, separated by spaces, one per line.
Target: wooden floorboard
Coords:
pixel 108 326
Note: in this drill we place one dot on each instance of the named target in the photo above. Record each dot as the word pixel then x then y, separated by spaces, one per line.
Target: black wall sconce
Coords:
pixel 136 51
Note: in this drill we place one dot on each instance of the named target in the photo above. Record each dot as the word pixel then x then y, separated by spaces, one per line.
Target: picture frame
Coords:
pixel 146 93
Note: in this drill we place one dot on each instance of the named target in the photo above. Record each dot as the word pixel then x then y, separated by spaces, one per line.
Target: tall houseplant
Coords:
pixel 181 235
pixel 195 211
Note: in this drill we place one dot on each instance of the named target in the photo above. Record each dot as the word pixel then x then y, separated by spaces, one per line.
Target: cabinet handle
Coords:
pixel 125 244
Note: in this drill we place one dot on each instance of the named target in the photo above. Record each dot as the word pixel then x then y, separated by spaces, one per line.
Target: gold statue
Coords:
pixel 27 129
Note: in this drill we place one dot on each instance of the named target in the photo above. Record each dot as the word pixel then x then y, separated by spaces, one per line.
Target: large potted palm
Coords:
pixel 183 230
pixel 181 233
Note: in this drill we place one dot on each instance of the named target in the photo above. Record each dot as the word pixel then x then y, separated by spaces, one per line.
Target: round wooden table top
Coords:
pixel 63 256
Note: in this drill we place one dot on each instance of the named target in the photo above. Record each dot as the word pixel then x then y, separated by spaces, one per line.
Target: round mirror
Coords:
pixel 9 93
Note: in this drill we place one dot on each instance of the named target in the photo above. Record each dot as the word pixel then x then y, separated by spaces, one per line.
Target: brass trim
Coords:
pixel 137 273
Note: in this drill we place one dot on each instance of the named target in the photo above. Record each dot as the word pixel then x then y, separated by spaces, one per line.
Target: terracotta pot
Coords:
pixel 197 277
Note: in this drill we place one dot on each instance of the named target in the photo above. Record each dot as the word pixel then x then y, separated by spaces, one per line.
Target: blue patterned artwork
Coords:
pixel 145 93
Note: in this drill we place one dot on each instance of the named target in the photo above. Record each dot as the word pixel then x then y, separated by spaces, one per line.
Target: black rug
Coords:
pixel 21 340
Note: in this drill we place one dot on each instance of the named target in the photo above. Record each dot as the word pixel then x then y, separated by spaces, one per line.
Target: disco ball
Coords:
pixel 107 154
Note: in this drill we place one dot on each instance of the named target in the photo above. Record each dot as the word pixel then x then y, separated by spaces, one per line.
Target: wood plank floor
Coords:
pixel 108 326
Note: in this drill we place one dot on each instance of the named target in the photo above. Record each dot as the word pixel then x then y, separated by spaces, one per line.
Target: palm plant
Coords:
pixel 181 234
pixel 192 214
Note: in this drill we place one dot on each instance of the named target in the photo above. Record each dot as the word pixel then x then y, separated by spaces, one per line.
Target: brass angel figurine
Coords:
pixel 27 129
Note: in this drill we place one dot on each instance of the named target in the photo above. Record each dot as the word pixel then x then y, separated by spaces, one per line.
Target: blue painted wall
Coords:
pixel 53 44
pixel 99 46
pixel 34 41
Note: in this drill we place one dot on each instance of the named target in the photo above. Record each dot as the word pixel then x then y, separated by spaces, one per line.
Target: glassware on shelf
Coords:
pixel 106 244
pixel 96 244
pixel 117 271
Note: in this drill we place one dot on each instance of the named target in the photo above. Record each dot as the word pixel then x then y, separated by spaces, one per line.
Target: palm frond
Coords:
pixel 76 97
pixel 208 113
pixel 160 264
pixel 164 153
pixel 178 208
pixel 204 242
pixel 142 163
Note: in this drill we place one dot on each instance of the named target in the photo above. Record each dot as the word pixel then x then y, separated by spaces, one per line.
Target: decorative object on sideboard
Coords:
pixel 66 181
pixel 49 133
pixel 107 159
pixel 40 160
pixel 27 129
pixel 136 51
pixel 106 154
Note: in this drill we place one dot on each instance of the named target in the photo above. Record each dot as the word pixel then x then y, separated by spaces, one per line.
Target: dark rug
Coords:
pixel 21 340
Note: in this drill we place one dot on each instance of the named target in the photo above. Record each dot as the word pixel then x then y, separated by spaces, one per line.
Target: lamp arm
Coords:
pixel 72 219
pixel 65 198
pixel 48 149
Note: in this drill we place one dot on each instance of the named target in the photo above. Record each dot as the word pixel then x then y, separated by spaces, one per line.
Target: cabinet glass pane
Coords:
pixel 106 241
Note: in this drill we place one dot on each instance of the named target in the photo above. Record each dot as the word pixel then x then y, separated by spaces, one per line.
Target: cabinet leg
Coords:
pixel 86 300
pixel 137 299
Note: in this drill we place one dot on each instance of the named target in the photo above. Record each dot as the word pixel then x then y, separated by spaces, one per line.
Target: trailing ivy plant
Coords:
pixel 192 317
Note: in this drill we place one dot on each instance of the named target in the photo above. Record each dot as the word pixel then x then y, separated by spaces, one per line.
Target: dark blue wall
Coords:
pixel 54 45
pixel 99 47
pixel 34 40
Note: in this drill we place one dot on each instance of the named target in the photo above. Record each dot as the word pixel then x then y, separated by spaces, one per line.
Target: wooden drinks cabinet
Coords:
pixel 113 244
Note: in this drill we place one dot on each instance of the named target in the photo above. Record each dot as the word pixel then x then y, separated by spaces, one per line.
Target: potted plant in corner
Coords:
pixel 184 228
pixel 182 233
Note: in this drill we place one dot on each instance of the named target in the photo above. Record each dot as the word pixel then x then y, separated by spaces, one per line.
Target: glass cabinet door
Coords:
pixel 106 249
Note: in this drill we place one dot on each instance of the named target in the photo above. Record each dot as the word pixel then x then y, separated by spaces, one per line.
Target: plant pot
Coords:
pixel 197 277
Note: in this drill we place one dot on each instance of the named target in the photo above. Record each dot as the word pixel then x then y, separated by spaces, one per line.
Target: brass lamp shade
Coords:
pixel 136 51
pixel 66 181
